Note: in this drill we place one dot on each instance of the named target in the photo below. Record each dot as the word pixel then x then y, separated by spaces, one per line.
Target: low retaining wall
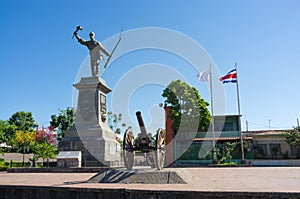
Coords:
pixel 59 170
pixel 35 192
pixel 291 163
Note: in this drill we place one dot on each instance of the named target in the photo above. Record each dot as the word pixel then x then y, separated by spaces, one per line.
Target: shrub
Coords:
pixel 19 164
pixel 3 166
pixel 226 164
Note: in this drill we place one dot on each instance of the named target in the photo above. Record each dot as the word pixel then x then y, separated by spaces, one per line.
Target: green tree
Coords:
pixel 23 121
pixel 44 150
pixel 204 114
pixel 63 121
pixel 2 131
pixel 114 121
pixel 7 132
pixel 188 109
pixel 292 137
pixel 2 137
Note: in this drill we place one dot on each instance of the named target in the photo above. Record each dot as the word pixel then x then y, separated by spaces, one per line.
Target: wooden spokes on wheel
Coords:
pixel 128 149
pixel 160 149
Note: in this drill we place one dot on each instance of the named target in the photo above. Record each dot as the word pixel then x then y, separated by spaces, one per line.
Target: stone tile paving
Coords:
pixel 253 179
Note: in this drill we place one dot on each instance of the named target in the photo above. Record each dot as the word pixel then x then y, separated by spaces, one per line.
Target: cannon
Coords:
pixel 153 149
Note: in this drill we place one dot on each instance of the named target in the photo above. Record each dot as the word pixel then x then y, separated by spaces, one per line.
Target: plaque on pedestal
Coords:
pixel 90 133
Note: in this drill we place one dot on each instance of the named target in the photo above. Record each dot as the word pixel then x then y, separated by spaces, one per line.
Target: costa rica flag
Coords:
pixel 230 77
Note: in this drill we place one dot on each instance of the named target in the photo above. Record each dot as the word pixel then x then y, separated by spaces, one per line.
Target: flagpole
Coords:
pixel 212 113
pixel 239 112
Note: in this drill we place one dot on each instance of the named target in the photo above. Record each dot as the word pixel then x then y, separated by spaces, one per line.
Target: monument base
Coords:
pixel 90 133
pixel 96 150
pixel 141 176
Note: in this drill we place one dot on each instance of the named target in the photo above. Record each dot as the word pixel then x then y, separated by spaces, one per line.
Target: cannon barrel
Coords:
pixel 141 123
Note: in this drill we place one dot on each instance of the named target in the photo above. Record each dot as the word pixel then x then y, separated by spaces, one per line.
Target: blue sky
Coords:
pixel 40 60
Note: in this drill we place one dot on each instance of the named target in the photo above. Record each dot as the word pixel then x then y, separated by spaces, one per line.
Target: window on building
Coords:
pixel 275 149
pixel 228 126
pixel 260 151
pixel 294 150
pixel 218 127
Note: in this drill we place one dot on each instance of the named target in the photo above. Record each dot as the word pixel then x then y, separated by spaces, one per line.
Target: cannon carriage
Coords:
pixel 154 150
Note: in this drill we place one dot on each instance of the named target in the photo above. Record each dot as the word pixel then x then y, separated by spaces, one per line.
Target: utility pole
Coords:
pixel 269 124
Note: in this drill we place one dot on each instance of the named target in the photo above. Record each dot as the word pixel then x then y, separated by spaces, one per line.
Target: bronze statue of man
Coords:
pixel 95 48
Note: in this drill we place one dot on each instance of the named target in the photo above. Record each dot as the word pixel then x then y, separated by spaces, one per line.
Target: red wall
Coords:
pixel 169 136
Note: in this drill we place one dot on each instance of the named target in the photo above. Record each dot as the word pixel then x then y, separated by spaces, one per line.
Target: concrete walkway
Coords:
pixel 250 179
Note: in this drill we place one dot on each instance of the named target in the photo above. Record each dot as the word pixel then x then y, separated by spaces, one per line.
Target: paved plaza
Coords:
pixel 250 179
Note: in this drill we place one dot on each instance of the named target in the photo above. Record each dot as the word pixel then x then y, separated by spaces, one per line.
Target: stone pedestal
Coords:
pixel 90 133
pixel 69 159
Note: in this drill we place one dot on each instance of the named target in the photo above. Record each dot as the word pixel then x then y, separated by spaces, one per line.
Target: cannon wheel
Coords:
pixel 128 150
pixel 160 149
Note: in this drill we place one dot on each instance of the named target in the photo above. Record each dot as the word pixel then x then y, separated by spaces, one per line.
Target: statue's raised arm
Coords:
pixel 75 34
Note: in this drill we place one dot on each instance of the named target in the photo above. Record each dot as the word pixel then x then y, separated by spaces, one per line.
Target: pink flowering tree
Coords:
pixel 44 145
